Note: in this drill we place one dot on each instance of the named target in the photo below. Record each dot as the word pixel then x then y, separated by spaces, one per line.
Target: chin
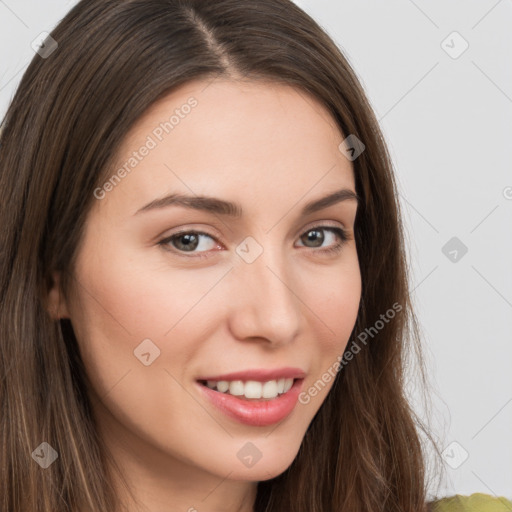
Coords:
pixel 259 472
pixel 267 463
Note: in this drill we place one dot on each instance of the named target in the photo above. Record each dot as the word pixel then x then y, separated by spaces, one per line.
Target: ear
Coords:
pixel 56 305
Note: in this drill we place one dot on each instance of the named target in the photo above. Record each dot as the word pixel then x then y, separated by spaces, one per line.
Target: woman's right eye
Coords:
pixel 189 241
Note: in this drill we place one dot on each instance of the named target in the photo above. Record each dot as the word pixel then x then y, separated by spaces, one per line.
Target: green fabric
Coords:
pixel 476 502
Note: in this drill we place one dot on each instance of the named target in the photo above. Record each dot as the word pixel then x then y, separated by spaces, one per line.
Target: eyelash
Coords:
pixel 341 233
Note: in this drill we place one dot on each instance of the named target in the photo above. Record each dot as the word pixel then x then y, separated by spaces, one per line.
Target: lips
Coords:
pixel 259 375
pixel 257 412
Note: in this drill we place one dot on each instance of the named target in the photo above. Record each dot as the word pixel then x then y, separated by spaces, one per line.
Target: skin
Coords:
pixel 272 149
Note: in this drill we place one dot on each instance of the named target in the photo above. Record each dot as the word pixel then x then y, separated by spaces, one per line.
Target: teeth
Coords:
pixel 236 388
pixel 252 389
pixel 269 389
pixel 288 383
pixel 222 386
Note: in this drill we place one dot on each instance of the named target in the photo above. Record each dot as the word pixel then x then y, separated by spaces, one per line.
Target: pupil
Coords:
pixel 190 241
pixel 316 237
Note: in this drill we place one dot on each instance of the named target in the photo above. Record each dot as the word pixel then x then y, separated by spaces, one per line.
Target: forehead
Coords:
pixel 243 141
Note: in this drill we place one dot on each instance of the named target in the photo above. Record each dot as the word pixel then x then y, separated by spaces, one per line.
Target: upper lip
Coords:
pixel 260 374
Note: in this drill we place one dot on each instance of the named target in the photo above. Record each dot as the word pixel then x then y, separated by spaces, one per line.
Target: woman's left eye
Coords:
pixel 191 240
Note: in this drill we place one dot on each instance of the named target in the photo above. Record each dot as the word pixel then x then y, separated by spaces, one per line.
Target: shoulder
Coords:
pixel 476 502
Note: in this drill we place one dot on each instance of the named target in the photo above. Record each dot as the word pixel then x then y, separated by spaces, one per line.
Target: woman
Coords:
pixel 170 341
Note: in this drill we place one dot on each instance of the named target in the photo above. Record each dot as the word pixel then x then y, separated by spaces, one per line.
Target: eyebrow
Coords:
pixel 230 209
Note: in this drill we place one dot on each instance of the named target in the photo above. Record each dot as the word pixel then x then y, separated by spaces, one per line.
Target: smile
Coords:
pixel 254 409
pixel 251 389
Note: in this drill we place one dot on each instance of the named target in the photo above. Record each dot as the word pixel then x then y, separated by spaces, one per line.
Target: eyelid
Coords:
pixel 322 223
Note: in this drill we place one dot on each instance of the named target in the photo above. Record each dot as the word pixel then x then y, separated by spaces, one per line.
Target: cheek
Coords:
pixel 335 307
pixel 139 295
pixel 123 306
pixel 126 299
pixel 335 302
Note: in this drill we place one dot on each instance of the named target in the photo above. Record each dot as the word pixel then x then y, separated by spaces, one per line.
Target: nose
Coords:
pixel 266 302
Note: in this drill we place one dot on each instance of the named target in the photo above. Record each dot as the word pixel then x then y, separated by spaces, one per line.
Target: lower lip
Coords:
pixel 259 413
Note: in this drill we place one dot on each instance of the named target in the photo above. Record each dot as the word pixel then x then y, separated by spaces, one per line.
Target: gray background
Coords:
pixel 447 118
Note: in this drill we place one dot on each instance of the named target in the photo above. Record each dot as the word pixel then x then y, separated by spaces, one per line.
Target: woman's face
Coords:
pixel 258 292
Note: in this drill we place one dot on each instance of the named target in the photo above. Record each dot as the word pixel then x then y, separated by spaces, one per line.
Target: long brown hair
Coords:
pixel 72 109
